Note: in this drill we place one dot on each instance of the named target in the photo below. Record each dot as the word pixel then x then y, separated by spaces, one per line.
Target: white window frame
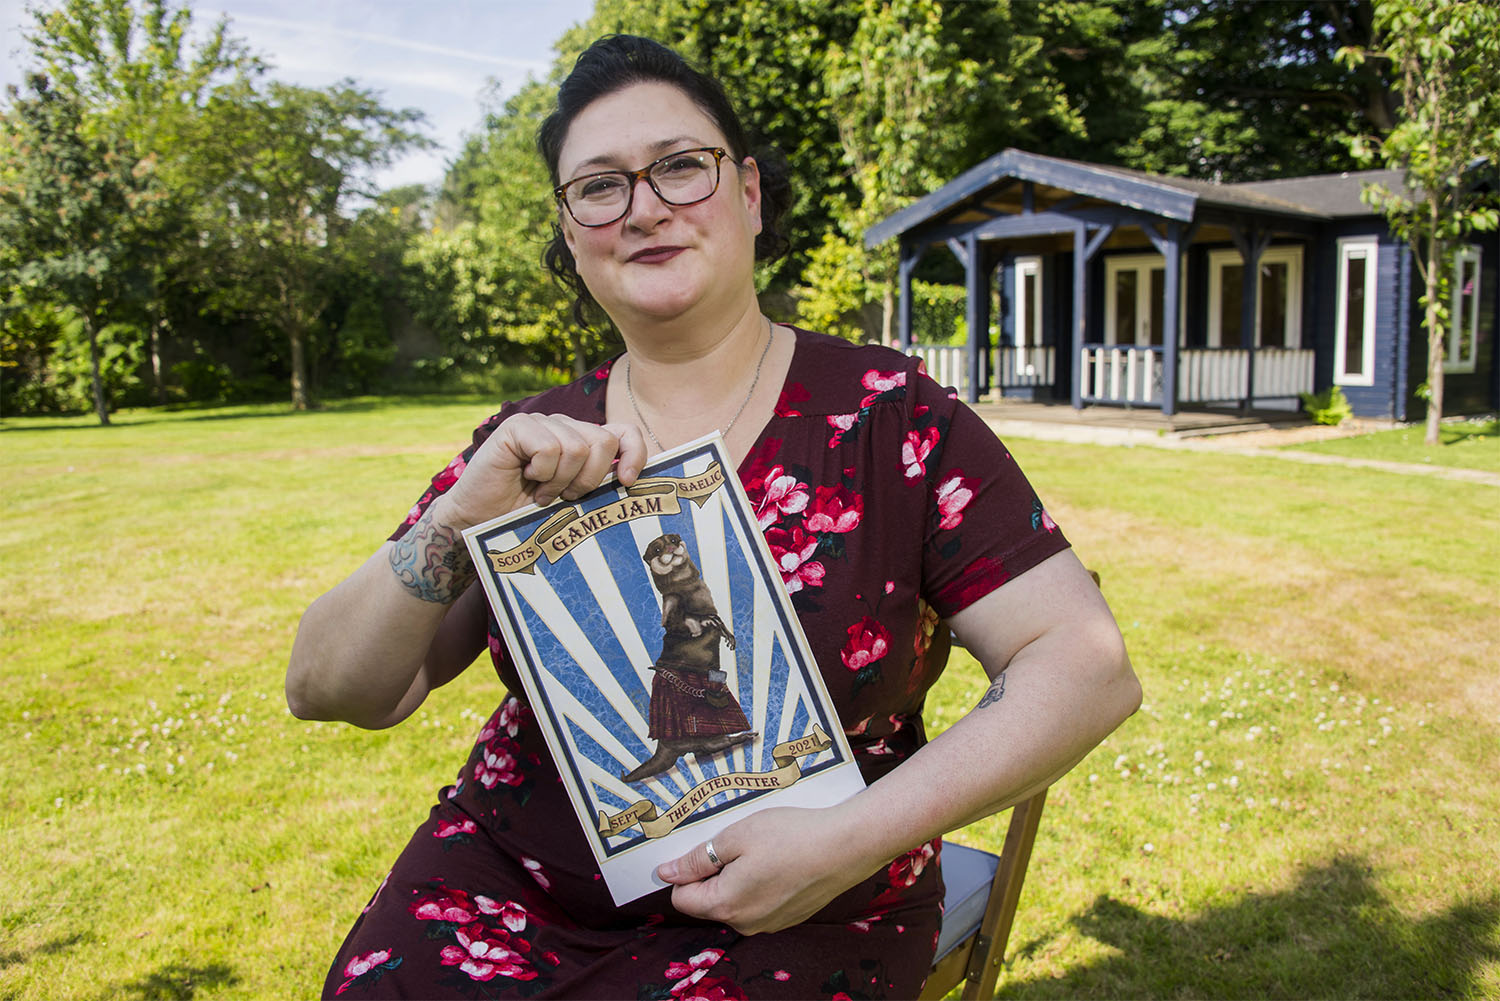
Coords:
pixel 1369 248
pixel 1028 340
pixel 1218 260
pixel 1116 263
pixel 1473 254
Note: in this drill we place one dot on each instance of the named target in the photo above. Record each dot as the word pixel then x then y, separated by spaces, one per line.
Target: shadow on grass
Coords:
pixel 1452 434
pixel 1333 935
pixel 10 957
pixel 178 981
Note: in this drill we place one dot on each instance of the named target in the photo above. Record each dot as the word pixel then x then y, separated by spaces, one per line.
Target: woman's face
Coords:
pixel 661 262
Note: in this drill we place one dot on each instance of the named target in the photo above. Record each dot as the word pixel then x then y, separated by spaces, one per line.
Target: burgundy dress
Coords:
pixel 889 506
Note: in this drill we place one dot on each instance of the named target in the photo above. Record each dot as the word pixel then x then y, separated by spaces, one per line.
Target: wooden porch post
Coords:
pixel 908 264
pixel 977 314
pixel 1080 269
pixel 1171 250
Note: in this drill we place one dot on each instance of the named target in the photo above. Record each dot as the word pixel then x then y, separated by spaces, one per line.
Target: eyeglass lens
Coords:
pixel 679 179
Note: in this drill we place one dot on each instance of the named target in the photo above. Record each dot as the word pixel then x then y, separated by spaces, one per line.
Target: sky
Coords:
pixel 434 55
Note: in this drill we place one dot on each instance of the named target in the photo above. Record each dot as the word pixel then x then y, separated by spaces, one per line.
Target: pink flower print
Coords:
pixel 841 424
pixel 868 642
pixel 445 905
pixel 513 916
pixel 784 495
pixel 953 495
pixel 878 748
pixel 858 728
pixel 791 395
pixel 450 828
pixel 792 550
pixel 702 961
pixel 905 869
pixel 370 966
pixel 836 509
pixel 915 449
pixel 781 975
pixel 878 382
pixel 495 765
pixel 537 872
pixel 706 988
pixel 450 474
pixel 484 958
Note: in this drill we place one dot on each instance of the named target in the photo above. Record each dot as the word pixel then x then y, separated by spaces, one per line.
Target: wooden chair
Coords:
pixel 980 906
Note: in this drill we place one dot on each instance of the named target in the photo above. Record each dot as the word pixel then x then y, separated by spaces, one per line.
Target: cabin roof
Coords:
pixel 1317 198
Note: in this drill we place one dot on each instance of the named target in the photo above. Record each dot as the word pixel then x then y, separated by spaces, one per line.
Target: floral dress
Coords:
pixel 888 506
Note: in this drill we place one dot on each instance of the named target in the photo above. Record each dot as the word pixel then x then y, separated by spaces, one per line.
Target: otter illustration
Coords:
pixel 692 709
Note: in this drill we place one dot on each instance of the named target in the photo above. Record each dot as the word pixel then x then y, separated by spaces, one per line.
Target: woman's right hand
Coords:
pixel 537 458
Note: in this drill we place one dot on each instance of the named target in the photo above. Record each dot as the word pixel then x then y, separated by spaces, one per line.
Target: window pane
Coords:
pixel 1273 302
pixel 1158 301
pixel 1125 307
pixel 1030 332
pixel 1232 300
pixel 1465 315
pixel 1354 315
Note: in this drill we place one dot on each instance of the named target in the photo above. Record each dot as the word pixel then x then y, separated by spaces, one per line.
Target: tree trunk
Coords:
pixel 161 388
pixel 299 368
pixel 1434 344
pixel 887 317
pixel 100 406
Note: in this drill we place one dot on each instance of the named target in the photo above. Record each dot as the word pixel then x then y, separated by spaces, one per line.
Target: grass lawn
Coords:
pixel 1305 807
pixel 1466 444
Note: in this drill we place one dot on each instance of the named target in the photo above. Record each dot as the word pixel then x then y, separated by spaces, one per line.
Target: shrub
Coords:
pixel 1328 407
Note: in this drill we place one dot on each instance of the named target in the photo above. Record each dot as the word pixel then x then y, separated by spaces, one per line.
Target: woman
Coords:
pixel 887 504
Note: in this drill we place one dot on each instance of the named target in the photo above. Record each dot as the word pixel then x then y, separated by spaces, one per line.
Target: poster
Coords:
pixel 663 660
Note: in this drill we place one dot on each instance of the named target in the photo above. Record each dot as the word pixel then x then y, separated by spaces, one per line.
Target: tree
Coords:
pixel 1445 58
pixel 289 161
pixel 68 203
pixel 140 84
pixel 1243 91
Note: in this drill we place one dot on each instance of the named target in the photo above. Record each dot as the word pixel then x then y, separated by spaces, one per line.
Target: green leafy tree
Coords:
pixel 1242 91
pixel 289 162
pixel 68 205
pixel 1445 58
pixel 141 81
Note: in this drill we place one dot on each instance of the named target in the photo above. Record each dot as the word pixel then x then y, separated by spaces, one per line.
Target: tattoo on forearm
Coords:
pixel 995 693
pixel 432 562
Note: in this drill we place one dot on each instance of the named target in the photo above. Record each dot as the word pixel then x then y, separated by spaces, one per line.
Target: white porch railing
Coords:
pixel 1132 374
pixel 948 366
pixel 1008 367
pixel 1214 375
pixel 1114 373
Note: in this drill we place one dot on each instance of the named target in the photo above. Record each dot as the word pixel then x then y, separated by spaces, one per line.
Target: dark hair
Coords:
pixel 615 62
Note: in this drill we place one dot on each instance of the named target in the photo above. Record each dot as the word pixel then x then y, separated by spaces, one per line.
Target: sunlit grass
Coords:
pixel 1305 806
pixel 1465 444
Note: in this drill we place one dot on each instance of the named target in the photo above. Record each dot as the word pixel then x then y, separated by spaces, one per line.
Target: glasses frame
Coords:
pixel 644 173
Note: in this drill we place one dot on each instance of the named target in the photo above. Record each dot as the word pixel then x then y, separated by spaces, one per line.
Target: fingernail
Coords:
pixel 667 871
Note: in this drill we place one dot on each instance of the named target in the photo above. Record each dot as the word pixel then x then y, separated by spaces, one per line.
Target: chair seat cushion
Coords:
pixel 967 874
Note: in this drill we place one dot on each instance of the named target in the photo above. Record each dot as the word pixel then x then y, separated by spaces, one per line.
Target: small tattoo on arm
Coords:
pixel 995 693
pixel 432 562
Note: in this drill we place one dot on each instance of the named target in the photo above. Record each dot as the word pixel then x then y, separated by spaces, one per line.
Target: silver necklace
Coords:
pixel 630 391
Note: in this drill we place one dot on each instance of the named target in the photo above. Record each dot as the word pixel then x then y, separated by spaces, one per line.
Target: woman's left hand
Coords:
pixel 781 866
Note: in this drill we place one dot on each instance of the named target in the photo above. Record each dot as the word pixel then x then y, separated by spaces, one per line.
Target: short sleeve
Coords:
pixel 984 524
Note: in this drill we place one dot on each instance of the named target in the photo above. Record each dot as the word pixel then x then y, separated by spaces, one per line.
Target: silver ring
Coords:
pixel 713 856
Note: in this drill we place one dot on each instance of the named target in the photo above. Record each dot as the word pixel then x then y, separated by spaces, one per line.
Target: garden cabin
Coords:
pixel 1080 269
